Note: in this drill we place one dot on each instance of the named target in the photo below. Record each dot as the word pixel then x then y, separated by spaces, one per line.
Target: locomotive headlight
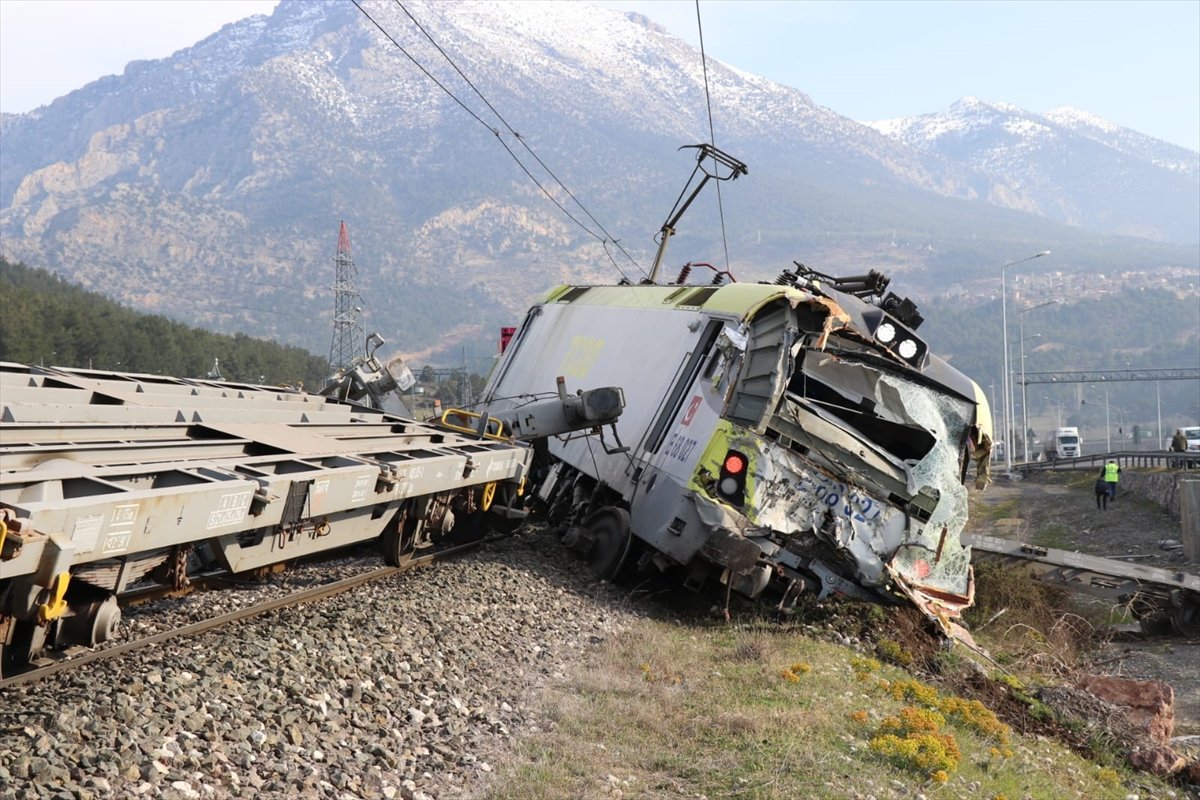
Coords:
pixel 729 486
pixel 907 349
pixel 885 332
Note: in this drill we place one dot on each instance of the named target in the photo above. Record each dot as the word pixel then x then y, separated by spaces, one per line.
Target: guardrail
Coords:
pixel 1125 458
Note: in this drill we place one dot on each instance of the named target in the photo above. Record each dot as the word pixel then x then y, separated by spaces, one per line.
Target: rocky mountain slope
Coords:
pixel 209 185
pixel 1068 165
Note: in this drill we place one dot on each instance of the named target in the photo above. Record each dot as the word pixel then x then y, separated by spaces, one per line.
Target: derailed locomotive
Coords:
pixel 777 437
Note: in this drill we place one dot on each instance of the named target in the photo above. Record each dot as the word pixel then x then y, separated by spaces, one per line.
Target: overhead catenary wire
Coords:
pixel 712 131
pixel 607 236
pixel 603 239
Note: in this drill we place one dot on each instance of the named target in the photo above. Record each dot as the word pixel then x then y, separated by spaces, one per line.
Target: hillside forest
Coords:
pixel 1128 329
pixel 51 322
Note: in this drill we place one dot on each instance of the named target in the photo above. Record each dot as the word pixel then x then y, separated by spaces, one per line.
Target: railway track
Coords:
pixel 68 660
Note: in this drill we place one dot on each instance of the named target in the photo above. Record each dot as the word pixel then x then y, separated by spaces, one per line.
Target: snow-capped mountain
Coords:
pixel 1162 154
pixel 1067 165
pixel 209 185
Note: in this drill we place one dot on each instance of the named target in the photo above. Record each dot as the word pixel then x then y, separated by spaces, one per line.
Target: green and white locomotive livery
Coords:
pixel 788 435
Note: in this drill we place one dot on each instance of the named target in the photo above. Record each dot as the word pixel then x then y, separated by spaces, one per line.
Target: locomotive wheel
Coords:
pixel 24 642
pixel 1186 619
pixel 559 510
pixel 611 537
pixel 400 538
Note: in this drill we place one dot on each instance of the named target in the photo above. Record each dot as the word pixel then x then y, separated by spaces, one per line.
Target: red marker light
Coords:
pixel 732 486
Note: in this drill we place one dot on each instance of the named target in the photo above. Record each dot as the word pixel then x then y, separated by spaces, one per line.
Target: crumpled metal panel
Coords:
pixel 795 498
pixel 835 318
pixel 732 551
pixel 943 608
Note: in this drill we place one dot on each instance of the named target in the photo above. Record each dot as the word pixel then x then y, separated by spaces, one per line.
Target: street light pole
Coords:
pixel 1107 423
pixel 1008 441
pixel 993 409
pixel 1158 404
pixel 1123 424
pixel 1024 389
pixel 994 454
pixel 1057 409
pixel 1025 398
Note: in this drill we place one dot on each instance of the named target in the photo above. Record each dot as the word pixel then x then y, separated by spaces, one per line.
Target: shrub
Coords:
pixel 891 651
pixel 792 674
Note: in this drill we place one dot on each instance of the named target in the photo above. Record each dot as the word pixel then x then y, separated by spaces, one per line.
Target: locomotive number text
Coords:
pixel 679 447
pixel 841 498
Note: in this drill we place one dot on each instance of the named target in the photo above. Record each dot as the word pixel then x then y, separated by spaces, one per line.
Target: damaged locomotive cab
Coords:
pixel 787 435
pixel 870 482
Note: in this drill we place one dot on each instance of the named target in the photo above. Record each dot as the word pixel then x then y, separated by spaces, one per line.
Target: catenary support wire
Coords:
pixel 603 239
pixel 712 132
pixel 519 138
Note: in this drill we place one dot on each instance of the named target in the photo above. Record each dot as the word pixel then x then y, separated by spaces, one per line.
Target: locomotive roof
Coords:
pixel 741 300
pixel 731 298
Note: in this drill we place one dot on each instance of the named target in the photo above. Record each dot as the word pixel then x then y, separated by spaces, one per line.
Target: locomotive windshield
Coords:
pixel 904 419
pixel 855 395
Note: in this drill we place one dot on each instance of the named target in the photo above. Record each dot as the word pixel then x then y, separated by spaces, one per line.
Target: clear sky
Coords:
pixel 1134 63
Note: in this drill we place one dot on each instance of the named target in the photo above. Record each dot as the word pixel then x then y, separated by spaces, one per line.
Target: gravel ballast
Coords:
pixel 397 689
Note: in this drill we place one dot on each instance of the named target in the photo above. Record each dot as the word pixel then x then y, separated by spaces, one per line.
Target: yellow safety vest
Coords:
pixel 1110 473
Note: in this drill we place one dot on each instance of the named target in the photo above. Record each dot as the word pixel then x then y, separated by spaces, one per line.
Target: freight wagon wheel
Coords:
pixel 1186 619
pixel 400 537
pixel 559 511
pixel 488 496
pixel 1153 619
pixel 611 538
pixel 508 512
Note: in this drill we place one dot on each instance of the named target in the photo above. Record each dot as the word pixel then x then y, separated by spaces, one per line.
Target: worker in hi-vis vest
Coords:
pixel 1111 473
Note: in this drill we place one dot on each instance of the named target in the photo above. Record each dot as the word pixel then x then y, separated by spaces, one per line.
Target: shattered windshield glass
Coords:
pixel 852 392
pixel 934 557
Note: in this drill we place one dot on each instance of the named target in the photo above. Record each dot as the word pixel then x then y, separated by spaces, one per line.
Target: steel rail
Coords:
pixel 296 598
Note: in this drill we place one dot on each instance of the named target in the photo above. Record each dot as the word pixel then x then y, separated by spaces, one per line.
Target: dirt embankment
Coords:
pixel 1059 510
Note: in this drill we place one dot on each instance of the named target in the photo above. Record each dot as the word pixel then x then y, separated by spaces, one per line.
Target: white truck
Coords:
pixel 1063 443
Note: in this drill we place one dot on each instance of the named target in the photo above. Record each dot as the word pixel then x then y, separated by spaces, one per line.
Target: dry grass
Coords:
pixel 996 511
pixel 760 712
pixel 1041 626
